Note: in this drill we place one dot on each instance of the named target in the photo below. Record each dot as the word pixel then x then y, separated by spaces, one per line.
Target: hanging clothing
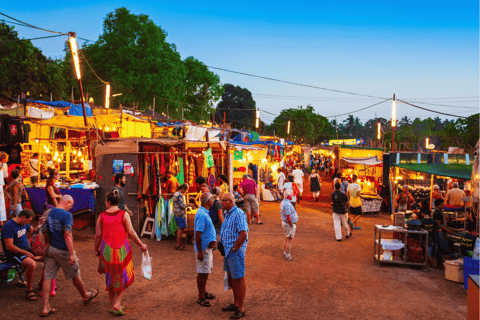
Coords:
pixel 115 251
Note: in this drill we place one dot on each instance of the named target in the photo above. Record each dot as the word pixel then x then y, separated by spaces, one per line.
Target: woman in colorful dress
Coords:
pixel 224 184
pixel 114 227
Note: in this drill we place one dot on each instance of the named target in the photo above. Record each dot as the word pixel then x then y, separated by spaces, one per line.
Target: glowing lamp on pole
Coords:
pixel 76 61
pixel 288 127
pixel 379 130
pixel 257 120
pixel 107 96
pixel 394 121
pixel 427 145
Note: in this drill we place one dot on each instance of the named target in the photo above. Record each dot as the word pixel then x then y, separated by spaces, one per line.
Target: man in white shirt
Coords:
pixel 280 181
pixel 298 179
pixel 33 166
pixel 454 196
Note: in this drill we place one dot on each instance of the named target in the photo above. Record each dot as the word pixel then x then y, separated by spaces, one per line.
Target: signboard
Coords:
pixel 347 142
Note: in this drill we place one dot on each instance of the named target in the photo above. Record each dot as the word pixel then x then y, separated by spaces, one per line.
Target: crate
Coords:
pixel 470 266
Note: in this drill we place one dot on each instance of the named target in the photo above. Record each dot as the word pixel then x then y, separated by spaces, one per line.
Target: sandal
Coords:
pixel 29 296
pixel 261 222
pixel 93 295
pixel 209 296
pixel 21 284
pixel 180 247
pixel 113 311
pixel 289 259
pixel 357 228
pixel 51 311
pixel 118 312
pixel 204 303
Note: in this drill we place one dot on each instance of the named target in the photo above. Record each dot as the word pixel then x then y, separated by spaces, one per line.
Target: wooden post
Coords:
pixel 67 154
pixel 18 103
pixel 72 95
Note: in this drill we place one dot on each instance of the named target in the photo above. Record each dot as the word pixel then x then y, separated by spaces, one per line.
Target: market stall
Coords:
pixel 369 173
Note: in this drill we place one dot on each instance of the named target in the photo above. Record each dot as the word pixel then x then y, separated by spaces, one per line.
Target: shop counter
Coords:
pixel 84 199
pixel 371 203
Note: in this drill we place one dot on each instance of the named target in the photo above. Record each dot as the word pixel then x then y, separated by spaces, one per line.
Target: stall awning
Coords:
pixel 366 161
pixel 458 171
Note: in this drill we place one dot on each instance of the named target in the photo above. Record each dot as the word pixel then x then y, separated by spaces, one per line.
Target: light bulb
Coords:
pixel 79 153
pixel 74 151
pixel 46 150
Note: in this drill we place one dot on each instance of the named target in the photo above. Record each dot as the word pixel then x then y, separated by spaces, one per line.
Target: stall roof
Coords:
pixel 459 171
pixel 74 109
pixel 367 161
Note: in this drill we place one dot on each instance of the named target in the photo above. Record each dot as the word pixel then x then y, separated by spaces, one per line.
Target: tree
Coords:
pixel 238 105
pixel 26 70
pixel 306 127
pixel 132 54
pixel 202 89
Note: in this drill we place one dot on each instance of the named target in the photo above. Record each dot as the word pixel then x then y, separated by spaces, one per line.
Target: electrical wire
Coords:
pixel 297 84
pixel 443 105
pixel 85 59
pixel 16 40
pixel 446 114
pixel 32 26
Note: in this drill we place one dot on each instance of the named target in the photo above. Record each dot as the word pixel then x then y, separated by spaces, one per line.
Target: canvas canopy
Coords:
pixel 458 171
pixel 367 161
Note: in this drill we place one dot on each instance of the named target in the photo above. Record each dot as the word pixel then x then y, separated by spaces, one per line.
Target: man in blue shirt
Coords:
pixel 60 254
pixel 16 249
pixel 205 242
pixel 289 219
pixel 234 237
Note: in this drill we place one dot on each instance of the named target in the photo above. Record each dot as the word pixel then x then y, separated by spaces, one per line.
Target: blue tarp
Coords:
pixel 75 109
pixel 169 124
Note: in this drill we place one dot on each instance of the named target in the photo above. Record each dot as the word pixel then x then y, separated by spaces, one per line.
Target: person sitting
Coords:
pixel 467 242
pixel 16 249
pixel 269 186
pixel 455 195
pixel 424 210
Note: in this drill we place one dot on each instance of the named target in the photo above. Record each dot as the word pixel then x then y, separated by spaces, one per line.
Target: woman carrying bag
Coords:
pixel 114 227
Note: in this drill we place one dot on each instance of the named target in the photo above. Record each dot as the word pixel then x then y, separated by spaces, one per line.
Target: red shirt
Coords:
pixel 248 186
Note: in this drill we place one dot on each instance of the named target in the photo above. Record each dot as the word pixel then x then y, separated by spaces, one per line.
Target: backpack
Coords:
pixel 213 212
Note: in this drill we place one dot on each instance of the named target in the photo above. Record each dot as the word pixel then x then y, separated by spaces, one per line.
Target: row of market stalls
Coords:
pixel 88 157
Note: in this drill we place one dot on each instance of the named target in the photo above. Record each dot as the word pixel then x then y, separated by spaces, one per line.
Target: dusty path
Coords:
pixel 329 279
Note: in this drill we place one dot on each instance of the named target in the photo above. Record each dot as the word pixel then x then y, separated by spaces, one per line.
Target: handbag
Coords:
pixel 40 239
pixel 221 248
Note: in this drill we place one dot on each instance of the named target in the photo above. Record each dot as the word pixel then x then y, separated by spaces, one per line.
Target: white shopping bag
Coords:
pixel 146 265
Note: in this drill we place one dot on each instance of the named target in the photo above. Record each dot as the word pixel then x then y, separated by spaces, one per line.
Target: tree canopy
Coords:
pixel 238 105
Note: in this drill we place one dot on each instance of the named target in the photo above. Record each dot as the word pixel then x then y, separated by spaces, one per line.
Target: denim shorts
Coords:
pixel 181 222
pixel 234 264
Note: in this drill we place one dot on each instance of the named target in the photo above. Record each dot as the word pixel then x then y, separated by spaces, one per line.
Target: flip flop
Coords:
pixel 209 296
pixel 50 312
pixel 204 303
pixel 261 222
pixel 113 311
pixel 93 295
pixel 357 228
pixel 31 297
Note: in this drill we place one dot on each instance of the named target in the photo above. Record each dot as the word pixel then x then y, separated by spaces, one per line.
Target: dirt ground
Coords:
pixel 328 279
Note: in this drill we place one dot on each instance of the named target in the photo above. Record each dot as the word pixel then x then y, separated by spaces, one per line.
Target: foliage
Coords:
pixel 306 127
pixel 238 105
pixel 26 70
pixel 202 89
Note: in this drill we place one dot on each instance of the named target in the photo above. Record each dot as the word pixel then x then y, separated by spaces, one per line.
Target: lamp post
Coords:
pixel 76 61
pixel 288 130
pixel 394 121
pixel 257 120
pixel 107 96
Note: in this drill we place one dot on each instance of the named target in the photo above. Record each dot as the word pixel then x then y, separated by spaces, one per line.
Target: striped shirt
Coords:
pixel 235 222
pixel 287 209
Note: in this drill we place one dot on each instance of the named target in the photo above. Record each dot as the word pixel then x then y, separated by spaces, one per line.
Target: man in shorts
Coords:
pixel 16 249
pixel 60 254
pixel 353 192
pixel 250 192
pixel 205 242
pixel 234 237
pixel 289 219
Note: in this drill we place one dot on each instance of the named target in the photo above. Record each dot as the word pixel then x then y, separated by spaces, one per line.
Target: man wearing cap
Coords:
pixel 289 219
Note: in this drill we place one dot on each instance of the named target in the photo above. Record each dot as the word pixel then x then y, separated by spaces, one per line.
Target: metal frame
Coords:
pixel 378 242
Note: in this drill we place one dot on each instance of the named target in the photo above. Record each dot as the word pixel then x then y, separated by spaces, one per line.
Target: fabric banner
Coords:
pixel 367 161
pixel 39 113
pixel 237 155
pixel 208 158
pixel 195 133
pixel 181 175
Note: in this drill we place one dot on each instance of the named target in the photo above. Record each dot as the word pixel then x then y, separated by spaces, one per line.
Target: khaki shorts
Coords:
pixel 55 259
pixel 251 203
pixel 289 232
pixel 206 265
